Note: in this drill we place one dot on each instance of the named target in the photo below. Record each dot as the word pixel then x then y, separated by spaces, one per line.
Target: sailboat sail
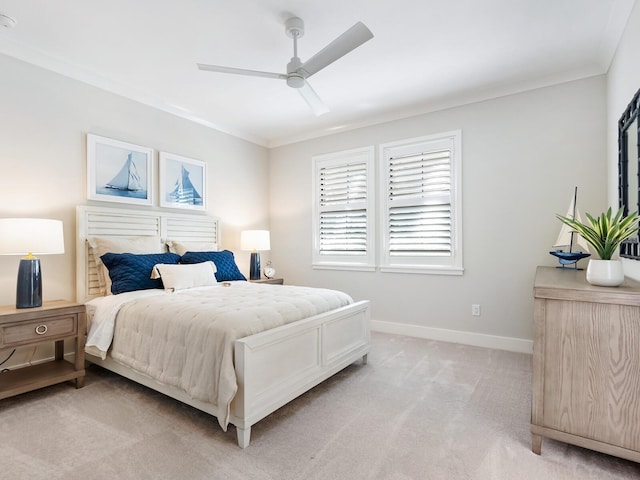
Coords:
pixel 567 237
pixel 127 178
pixel 184 192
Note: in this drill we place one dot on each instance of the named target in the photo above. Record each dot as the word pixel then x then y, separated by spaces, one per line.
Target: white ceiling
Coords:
pixel 425 54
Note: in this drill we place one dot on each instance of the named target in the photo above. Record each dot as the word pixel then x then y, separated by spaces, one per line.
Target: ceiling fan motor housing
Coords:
pixel 294 78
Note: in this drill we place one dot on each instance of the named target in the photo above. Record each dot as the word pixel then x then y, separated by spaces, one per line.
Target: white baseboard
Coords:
pixel 454 336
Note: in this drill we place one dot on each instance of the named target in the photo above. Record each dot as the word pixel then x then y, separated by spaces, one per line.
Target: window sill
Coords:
pixel 357 268
pixel 423 270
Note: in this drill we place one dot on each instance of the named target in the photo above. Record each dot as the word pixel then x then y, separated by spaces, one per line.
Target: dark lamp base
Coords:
pixel 254 266
pixel 29 291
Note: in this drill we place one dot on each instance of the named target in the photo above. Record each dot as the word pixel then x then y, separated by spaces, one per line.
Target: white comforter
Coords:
pixel 185 339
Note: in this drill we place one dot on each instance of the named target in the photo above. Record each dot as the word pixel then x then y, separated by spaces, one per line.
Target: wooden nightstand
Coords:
pixel 54 321
pixel 272 281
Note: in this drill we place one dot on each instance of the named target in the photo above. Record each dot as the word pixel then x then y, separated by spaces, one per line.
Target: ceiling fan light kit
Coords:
pixel 295 81
pixel 297 71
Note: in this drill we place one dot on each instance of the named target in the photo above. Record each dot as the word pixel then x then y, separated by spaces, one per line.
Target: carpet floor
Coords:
pixel 419 409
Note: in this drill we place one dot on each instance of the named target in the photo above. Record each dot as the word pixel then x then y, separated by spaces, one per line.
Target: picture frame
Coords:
pixel 119 171
pixel 183 182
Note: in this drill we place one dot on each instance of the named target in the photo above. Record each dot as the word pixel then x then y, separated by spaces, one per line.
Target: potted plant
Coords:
pixel 605 234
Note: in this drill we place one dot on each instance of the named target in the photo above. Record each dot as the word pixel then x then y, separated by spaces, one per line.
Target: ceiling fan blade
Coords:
pixel 312 99
pixel 241 71
pixel 349 40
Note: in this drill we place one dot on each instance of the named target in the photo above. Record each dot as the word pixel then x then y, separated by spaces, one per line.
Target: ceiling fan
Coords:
pixel 297 71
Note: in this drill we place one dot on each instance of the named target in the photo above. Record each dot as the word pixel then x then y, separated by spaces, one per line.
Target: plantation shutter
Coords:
pixel 419 190
pixel 343 209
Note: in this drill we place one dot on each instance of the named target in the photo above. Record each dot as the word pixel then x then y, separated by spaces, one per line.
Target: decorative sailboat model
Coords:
pixel 567 237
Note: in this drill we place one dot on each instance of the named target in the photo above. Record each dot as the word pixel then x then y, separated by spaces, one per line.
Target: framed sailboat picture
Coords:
pixel 183 182
pixel 119 171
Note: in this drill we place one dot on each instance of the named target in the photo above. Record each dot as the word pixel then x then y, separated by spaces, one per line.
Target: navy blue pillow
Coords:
pixel 226 268
pixel 130 272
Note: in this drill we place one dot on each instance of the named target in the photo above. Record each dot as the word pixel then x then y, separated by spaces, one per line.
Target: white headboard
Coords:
pixel 117 222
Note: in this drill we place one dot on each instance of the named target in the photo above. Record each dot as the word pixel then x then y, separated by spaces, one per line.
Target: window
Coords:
pixel 421 228
pixel 343 213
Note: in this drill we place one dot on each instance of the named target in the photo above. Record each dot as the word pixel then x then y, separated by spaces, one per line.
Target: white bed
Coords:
pixel 271 367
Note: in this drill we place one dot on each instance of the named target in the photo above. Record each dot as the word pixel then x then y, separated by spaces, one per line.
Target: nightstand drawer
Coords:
pixel 16 334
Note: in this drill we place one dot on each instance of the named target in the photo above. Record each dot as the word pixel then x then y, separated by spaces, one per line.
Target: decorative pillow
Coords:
pixel 130 272
pixel 101 245
pixel 178 277
pixel 227 269
pixel 183 247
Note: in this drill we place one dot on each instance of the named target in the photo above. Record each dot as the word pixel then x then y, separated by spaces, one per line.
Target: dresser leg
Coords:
pixel 536 443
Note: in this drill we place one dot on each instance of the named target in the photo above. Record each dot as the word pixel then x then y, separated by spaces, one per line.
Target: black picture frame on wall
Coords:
pixel 629 170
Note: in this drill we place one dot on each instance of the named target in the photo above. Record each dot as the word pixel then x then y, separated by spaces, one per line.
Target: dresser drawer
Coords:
pixel 51 328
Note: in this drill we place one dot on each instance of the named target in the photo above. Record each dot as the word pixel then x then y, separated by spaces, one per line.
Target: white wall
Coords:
pixel 44 119
pixel 623 81
pixel 522 155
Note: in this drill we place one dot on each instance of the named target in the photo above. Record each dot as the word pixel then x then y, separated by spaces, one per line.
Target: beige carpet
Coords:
pixel 419 410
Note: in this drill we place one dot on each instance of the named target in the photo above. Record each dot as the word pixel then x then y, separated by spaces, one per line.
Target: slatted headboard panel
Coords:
pixel 118 222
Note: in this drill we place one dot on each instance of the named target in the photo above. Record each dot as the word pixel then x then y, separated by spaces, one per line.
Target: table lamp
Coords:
pixel 254 240
pixel 28 236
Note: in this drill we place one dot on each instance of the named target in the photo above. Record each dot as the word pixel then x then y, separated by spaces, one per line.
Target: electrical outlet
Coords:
pixel 475 309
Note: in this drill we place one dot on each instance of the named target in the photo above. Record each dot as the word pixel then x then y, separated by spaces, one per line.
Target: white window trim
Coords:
pixel 345 262
pixel 423 265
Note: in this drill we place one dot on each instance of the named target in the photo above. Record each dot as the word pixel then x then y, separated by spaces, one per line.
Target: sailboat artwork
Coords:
pixel 118 171
pixel 568 237
pixel 184 193
pixel 128 178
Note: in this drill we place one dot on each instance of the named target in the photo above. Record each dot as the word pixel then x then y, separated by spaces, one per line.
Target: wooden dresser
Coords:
pixel 586 363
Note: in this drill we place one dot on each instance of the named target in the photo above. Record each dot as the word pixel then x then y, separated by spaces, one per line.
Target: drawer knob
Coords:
pixel 41 329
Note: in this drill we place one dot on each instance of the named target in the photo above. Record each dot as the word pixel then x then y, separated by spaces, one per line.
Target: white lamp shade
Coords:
pixel 21 236
pixel 255 240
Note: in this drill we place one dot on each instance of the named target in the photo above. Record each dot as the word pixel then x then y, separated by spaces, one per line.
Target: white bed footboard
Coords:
pixel 276 366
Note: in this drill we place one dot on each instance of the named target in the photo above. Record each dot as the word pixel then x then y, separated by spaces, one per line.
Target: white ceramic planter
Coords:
pixel 605 273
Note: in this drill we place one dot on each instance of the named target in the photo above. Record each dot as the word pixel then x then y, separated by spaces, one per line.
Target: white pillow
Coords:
pixel 101 245
pixel 183 247
pixel 179 277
